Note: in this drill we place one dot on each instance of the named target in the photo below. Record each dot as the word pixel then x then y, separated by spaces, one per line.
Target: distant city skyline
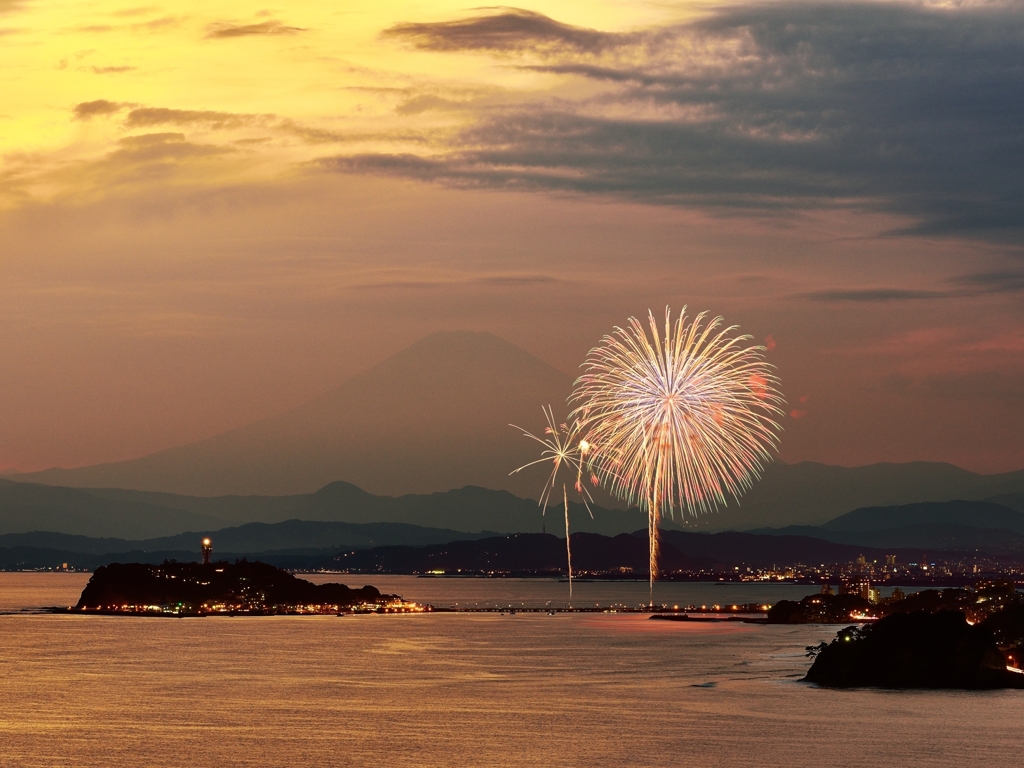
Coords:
pixel 210 215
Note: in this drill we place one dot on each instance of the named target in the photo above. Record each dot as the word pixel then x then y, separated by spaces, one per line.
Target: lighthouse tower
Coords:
pixel 207 551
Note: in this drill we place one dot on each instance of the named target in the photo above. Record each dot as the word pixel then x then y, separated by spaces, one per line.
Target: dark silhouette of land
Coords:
pixel 955 524
pixel 243 586
pixel 401 548
pixel 914 650
pixel 533 553
pixel 435 417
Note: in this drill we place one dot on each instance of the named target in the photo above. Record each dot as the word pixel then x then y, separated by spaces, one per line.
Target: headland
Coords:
pixel 239 588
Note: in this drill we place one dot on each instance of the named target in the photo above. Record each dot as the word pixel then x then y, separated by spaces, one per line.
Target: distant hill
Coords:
pixel 1011 500
pixel 290 544
pixel 433 417
pixel 251 537
pixel 31 507
pixel 950 525
pixel 125 514
pixel 524 552
pixel 975 514
pixel 812 494
pixel 131 514
pixel 680 551
pixel 731 548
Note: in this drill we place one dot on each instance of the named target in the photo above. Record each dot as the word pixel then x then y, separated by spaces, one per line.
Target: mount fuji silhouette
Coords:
pixel 433 417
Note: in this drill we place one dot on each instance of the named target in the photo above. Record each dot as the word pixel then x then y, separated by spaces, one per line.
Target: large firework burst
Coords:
pixel 679 420
pixel 564 448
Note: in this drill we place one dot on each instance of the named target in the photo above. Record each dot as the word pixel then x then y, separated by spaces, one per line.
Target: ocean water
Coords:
pixel 455 690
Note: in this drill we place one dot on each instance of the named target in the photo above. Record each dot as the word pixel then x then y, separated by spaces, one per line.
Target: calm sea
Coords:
pixel 460 689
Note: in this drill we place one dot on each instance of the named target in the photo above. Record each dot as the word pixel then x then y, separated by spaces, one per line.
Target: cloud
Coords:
pixel 426 103
pixel 875 295
pixel 144 117
pixel 8 6
pixel 900 108
pixel 487 281
pixel 978 284
pixel 506 30
pixel 993 282
pixel 147 117
pixel 266 28
pixel 90 109
pixel 516 280
pixel 153 25
pixel 112 70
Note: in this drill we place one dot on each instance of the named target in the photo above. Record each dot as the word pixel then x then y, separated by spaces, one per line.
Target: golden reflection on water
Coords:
pixel 443 689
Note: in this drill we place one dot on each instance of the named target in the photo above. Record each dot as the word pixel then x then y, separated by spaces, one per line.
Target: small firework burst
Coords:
pixel 567 452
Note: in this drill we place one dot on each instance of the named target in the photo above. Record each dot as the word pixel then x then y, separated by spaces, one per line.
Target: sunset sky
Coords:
pixel 212 212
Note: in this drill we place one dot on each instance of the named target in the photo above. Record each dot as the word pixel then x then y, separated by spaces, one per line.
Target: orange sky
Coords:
pixel 210 212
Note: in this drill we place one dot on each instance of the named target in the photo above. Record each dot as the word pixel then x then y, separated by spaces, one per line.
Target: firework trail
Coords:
pixel 679 419
pixel 564 449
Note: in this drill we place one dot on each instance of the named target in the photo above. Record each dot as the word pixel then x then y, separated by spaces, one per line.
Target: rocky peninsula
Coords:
pixel 915 649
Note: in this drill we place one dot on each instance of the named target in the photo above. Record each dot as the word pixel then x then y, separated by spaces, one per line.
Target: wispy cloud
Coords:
pixel 264 28
pixel 901 108
pixel 112 70
pixel 994 282
pixel 144 117
pixel 875 295
pixel 505 30
pixel 7 6
pixel 978 284
pixel 90 109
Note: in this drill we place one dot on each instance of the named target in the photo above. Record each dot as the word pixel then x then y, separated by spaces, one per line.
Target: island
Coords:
pixel 917 649
pixel 239 588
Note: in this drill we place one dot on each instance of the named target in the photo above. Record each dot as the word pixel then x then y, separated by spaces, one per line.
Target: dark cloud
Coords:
pixel 994 282
pixel 978 284
pixel 506 30
pixel 90 109
pixel 271 27
pixel 897 108
pixel 874 295
pixel 426 103
pixel 112 70
pixel 145 117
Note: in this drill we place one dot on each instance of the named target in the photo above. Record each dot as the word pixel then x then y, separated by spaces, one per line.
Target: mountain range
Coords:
pixel 913 532
pixel 433 418
pixel 806 494
pixel 951 525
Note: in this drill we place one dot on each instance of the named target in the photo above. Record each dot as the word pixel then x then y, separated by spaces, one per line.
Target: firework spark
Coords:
pixel 564 449
pixel 678 420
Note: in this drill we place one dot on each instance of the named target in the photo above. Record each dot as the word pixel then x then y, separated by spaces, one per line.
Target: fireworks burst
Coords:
pixel 564 449
pixel 681 419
